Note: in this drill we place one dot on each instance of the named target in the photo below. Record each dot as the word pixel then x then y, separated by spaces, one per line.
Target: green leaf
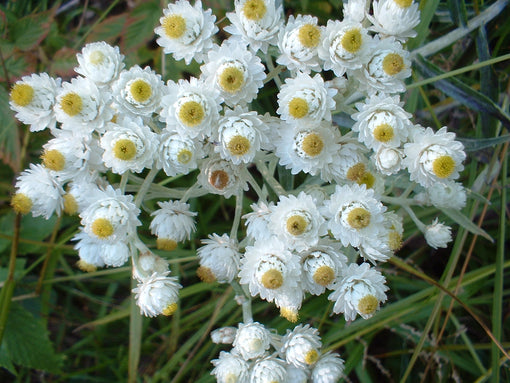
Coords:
pixel 5 361
pixel 427 9
pixel 28 32
pixel 462 92
pixel 28 343
pixel 474 144
pixel 458 12
pixel 466 223
pixel 9 139
pixel 108 30
pixel 140 25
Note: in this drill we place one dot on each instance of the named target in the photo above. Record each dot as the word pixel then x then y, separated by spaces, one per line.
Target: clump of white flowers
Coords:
pixel 329 235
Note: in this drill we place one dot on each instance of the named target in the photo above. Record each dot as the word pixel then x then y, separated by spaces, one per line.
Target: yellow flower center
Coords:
pixel 238 145
pixel 140 90
pixel 393 64
pixel 22 94
pixel 102 228
pixel 309 35
pixel 254 10
pixel 184 156
pixel 53 160
pixel 311 357
pixel 324 275
pixel 290 314
pixel 312 144
pixel 358 218
pixel 21 203
pixel 352 40
pixel 272 279
pixel 85 266
pixel 70 204
pixel 191 113
pixel 298 107
pixel 394 240
pixel 367 179
pixel 170 309
pixel 403 3
pixel 96 58
pixel 368 304
pixel 231 79
pixel 124 149
pixel 443 166
pixel 383 132
pixel 174 26
pixel 71 104
pixel 166 244
pixel 205 274
pixel 296 225
pixel 356 172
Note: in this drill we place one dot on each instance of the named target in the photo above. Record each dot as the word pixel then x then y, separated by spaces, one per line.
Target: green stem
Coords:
pixel 147 182
pixel 237 214
pixel 268 177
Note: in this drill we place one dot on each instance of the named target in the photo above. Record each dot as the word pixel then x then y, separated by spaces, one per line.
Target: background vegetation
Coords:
pixel 447 316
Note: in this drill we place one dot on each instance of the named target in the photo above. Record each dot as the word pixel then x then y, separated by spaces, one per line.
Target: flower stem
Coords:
pixel 237 214
pixel 145 186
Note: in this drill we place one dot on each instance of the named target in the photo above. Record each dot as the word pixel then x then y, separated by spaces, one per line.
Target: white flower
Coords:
pixel 301 346
pixel 388 160
pixel 438 234
pixel 222 177
pixel 449 194
pixel 148 264
pixel 434 157
pixel 81 192
pixel 138 91
pixel 395 18
pixel 296 221
pixel 395 230
pixel 100 62
pixel 257 222
pixel 298 43
pixel 177 154
pixel 328 369
pixel 355 10
pixel 349 155
pixel 230 367
pixel 81 105
pixel 190 108
pixel 96 253
pixel 269 369
pixel 172 223
pixel 32 98
pixel 252 340
pixel 157 294
pixel 346 45
pixel 235 71
pixel 223 335
pixel 296 375
pixel 306 99
pixel 219 258
pixel 128 145
pixel 186 31
pixel 257 22
pixel 111 218
pixel 38 191
pixel 360 291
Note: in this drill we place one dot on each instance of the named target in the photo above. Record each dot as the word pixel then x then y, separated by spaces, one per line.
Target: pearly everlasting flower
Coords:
pixel 157 295
pixel 219 259
pixel 298 43
pixel 230 367
pixel 346 45
pixel 447 195
pixel 388 160
pixel 438 234
pixel 257 22
pixel 223 335
pixel 395 230
pixel 346 160
pixel 96 253
pixel 129 145
pixel 190 108
pixel 305 99
pixel 360 291
pixel 235 71
pixel 434 157
pixel 186 31
pixel 100 62
pixel 328 369
pixel 222 177
pixel 33 98
pixel 269 369
pixel 149 264
pixel 395 18
pixel 296 375
pixel 355 10
pixel 301 346
pixel 172 223
pixel 138 91
pixel 296 221
pixel 38 191
pixel 178 154
pixel 252 340
pixel 83 190
pixel 257 222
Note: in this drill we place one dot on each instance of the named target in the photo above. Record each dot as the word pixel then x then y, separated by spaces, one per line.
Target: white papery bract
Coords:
pixel 449 194
pixel 256 22
pixel 96 253
pixel 349 153
pixel 306 99
pixel 360 291
pixel 296 222
pixel 81 192
pixel 269 369
pixel 257 222
pixel 38 191
pixel 178 154
pixel 157 295
pixel 100 62
pixel 186 31
pixel 235 71
pixel 328 369
pixel 296 375
pixel 222 177
pixel 394 18
pixel 138 91
pixel 190 108
pixel 33 98
pixel 231 367
pixel 388 160
pixel 301 346
pixel 149 264
pixel 130 145
pixel 252 340
pixel 355 10
pixel 172 223
pixel 433 156
pixel 220 256
pixel 223 335
pixel 437 234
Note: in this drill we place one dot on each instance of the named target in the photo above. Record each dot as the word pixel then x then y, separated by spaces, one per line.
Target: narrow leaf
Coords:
pixel 474 144
pixel 427 9
pixel 466 223
pixel 458 12
pixel 109 29
pixel 9 139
